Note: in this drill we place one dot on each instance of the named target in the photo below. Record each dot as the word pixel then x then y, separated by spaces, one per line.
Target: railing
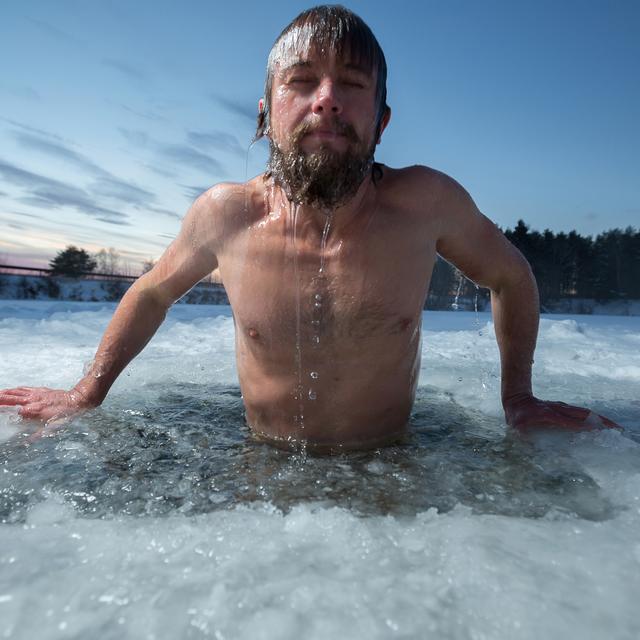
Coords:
pixel 10 269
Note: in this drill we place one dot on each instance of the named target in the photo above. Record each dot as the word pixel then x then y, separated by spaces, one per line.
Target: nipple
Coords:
pixel 253 333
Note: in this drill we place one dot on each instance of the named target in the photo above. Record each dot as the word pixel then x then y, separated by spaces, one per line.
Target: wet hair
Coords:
pixel 329 28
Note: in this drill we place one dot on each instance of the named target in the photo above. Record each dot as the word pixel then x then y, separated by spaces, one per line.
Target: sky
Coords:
pixel 115 115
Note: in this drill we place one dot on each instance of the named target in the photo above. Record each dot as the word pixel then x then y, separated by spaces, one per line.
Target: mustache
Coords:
pixel 338 125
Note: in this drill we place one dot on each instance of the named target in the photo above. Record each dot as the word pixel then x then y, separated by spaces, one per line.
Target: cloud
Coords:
pixel 161 171
pixel 106 185
pixel 165 212
pixel 243 109
pixel 184 154
pixel 116 189
pixel 23 91
pixel 53 31
pixel 129 71
pixel 136 137
pixel 30 129
pixel 216 140
pixel 193 192
pixel 58 150
pixel 48 193
pixel 147 115
pixel 26 215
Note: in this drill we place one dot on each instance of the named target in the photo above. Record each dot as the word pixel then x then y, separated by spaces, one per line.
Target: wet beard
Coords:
pixel 324 179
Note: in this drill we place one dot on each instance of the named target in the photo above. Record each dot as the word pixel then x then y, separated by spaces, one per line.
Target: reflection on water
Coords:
pixel 189 451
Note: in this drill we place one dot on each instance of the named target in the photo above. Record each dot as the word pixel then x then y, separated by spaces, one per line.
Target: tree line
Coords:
pixel 565 265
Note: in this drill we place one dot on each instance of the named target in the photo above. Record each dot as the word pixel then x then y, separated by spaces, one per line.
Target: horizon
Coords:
pixel 115 116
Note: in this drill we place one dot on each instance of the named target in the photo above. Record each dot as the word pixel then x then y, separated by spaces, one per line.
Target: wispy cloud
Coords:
pixel 58 150
pixel 242 108
pixel 106 185
pixel 136 137
pixel 192 192
pixel 122 191
pixel 25 215
pixel 216 140
pixel 48 193
pixel 165 212
pixel 186 155
pixel 126 69
pixel 161 171
pixel 55 32
pixel 30 129
pixel 181 155
pixel 147 115
pixel 23 91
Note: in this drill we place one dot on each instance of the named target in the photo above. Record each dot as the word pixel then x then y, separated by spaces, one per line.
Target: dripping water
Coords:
pixel 455 306
pixel 317 300
pixel 299 418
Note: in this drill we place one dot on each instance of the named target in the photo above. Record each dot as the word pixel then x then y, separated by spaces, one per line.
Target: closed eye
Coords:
pixel 299 80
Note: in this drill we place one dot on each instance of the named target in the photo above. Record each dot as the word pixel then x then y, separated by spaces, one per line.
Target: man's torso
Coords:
pixel 328 331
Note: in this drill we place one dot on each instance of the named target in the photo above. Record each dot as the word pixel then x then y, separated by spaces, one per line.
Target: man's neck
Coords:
pixel 315 219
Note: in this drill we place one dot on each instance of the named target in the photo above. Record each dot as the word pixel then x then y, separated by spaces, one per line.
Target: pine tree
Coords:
pixel 72 262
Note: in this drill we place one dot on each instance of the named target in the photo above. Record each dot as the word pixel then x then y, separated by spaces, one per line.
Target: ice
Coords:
pixel 157 516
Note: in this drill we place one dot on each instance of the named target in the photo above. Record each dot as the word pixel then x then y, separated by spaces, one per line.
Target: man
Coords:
pixel 326 259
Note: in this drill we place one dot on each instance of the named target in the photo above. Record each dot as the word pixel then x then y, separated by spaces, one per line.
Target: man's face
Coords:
pixel 322 127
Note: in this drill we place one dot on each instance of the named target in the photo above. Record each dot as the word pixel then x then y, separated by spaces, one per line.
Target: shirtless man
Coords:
pixel 326 259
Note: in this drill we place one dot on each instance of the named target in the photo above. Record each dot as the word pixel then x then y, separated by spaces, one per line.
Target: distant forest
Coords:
pixel 566 265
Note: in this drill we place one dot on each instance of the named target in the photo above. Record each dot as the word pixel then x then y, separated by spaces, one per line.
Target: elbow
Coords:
pixel 518 277
pixel 146 291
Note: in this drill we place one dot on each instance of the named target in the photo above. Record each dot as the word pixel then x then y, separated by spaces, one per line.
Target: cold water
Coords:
pixel 158 516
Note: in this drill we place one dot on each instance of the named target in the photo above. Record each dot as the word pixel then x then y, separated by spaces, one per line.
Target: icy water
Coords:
pixel 158 516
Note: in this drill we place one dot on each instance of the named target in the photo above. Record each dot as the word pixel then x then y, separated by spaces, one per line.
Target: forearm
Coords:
pixel 516 315
pixel 134 322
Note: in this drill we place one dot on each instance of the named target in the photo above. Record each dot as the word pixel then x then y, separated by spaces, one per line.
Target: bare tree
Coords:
pixel 108 261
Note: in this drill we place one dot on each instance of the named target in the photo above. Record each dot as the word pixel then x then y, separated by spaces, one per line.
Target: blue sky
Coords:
pixel 115 114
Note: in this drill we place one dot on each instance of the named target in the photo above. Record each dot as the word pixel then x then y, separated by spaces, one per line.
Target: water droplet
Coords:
pixel 318 297
pixel 315 322
pixel 317 305
pixel 314 375
pixel 312 394
pixel 316 339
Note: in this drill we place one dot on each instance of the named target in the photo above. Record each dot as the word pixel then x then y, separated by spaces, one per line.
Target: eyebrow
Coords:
pixel 359 68
pixel 300 64
pixel 307 64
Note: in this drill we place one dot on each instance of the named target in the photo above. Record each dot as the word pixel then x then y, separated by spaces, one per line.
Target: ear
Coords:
pixel 261 105
pixel 386 116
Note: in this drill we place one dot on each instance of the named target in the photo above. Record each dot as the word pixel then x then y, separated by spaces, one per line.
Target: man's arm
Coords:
pixel 471 242
pixel 140 312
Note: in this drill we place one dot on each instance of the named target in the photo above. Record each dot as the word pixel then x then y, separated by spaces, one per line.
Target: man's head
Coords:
pixel 325 105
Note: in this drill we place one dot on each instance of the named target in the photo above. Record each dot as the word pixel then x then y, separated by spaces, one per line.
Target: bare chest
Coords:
pixel 349 290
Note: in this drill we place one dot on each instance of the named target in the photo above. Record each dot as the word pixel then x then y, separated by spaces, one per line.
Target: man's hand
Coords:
pixel 524 411
pixel 47 405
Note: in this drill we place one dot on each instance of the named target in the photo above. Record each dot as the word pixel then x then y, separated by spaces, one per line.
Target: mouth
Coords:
pixel 325 134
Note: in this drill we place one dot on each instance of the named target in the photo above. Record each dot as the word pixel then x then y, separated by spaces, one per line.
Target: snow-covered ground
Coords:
pixel 21 287
pixel 157 516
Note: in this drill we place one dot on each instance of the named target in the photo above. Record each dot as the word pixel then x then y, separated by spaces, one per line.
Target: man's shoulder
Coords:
pixel 419 185
pixel 228 199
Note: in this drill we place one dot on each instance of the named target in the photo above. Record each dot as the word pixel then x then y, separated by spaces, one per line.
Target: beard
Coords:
pixel 324 179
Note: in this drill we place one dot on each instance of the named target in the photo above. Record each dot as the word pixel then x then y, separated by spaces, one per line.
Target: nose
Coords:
pixel 326 100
